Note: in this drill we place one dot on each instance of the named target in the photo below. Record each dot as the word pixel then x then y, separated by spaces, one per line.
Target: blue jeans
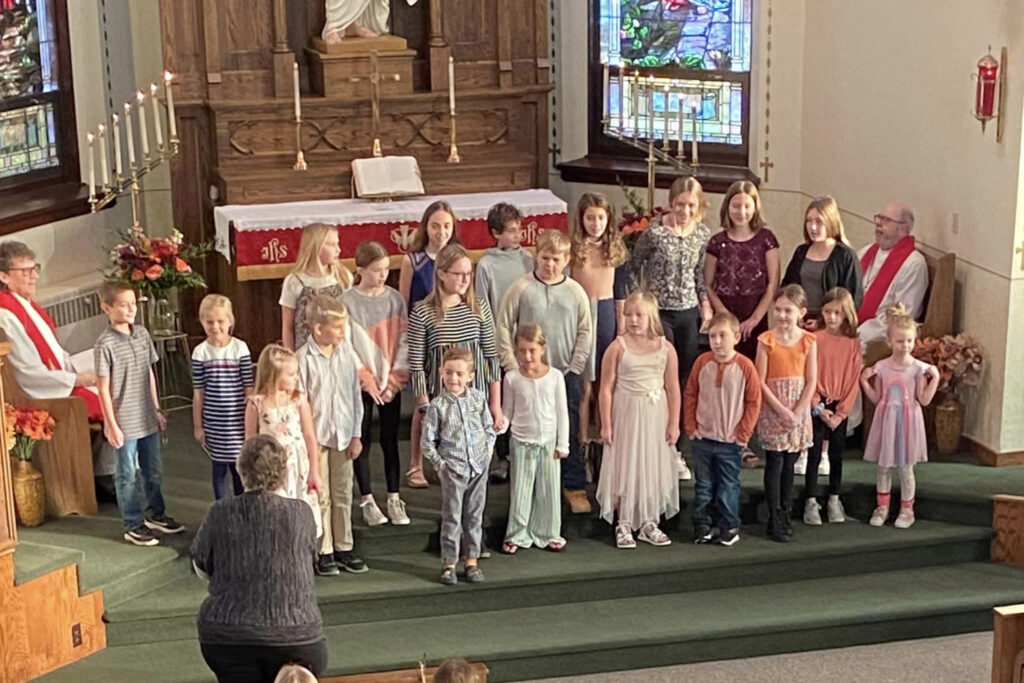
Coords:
pixel 126 471
pixel 226 482
pixel 574 472
pixel 717 466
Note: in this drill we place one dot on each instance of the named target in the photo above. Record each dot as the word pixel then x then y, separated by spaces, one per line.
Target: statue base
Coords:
pixel 345 70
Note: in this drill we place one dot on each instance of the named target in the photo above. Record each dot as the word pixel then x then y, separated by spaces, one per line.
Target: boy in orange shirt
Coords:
pixel 721 403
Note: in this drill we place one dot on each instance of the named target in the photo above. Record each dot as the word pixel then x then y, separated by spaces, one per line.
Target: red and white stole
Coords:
pixel 875 293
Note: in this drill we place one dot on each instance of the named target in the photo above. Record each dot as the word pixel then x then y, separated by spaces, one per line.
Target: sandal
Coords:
pixel 509 548
pixel 474 574
pixel 448 576
pixel 624 537
pixel 556 546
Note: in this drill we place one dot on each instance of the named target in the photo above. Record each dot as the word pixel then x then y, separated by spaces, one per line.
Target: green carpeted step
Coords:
pixel 628 633
pixel 32 560
pixel 405 586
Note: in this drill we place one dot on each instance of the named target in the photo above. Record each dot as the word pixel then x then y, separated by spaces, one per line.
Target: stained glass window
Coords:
pixel 675 69
pixel 30 97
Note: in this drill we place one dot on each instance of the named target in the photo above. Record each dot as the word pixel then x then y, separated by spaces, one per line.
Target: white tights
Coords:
pixel 908 485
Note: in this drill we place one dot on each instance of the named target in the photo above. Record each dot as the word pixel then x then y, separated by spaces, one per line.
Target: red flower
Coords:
pixel 154 271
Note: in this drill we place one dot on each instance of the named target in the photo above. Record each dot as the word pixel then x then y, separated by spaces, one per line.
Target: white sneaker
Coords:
pixel 823 466
pixel 372 514
pixel 800 468
pixel 836 513
pixel 396 512
pixel 812 514
pixel 905 520
pixel 879 516
pixel 684 471
pixel 650 533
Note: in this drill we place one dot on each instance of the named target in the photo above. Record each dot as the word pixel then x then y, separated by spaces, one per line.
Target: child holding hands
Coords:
pixel 720 408
pixel 899 386
pixel 458 435
pixel 534 403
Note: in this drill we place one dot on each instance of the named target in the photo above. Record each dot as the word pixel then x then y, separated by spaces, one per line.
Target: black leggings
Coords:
pixel 388 418
pixel 836 443
pixel 260 663
pixel 682 332
pixel 778 480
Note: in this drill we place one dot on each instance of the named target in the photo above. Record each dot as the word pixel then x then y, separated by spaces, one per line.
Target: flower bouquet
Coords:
pixel 155 265
pixel 635 219
pixel 24 428
pixel 958 359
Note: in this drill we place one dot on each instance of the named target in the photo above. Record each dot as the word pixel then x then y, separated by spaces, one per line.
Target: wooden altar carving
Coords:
pixel 236 117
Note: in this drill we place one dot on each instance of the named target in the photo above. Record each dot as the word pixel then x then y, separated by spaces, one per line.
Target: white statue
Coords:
pixel 356 19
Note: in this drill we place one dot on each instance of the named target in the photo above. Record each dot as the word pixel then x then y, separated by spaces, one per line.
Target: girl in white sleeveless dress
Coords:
pixel 639 426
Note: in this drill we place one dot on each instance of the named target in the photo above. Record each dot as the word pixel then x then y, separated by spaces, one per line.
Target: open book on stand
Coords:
pixel 386 177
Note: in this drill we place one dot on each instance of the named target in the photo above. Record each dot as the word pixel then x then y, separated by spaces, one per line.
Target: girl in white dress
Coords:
pixel 639 426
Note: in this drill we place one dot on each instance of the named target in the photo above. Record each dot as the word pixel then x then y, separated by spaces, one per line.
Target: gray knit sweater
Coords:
pixel 258 550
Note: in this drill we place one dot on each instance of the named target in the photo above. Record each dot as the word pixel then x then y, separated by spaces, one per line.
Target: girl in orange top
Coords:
pixel 787 364
pixel 839 367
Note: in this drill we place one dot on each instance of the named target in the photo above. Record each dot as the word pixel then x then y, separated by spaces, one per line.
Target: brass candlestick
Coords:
pixel 300 158
pixel 453 149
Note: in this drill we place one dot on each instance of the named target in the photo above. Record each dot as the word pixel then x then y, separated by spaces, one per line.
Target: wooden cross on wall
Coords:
pixel 767 165
pixel 374 78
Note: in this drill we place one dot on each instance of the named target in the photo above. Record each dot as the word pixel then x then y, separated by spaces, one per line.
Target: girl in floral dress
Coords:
pixel 279 409
pixel 787 363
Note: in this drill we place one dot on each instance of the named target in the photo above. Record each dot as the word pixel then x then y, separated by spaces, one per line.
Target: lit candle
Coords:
pixel 172 121
pixel 129 134
pixel 693 143
pixel 451 84
pixel 650 107
pixel 104 165
pixel 115 130
pixel 679 130
pixel 295 90
pixel 604 96
pixel 634 96
pixel 92 169
pixel 143 133
pixel 622 99
pixel 665 116
pixel 156 116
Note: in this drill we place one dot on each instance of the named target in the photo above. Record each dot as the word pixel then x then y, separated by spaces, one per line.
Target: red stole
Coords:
pixel 9 303
pixel 886 274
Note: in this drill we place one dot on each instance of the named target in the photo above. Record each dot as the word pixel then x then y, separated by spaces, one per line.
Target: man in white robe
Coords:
pixel 356 19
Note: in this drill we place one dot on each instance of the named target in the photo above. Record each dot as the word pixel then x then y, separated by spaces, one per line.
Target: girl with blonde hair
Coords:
pixel 640 405
pixel 316 271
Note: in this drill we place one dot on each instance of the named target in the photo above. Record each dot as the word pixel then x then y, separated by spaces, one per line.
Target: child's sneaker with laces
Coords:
pixel 372 515
pixel 836 513
pixel 905 519
pixel 326 566
pixel 729 537
pixel 396 512
pixel 624 537
pixel 800 467
pixel 812 513
pixel 702 535
pixel 165 525
pixel 650 533
pixel 140 535
pixel 824 467
pixel 879 516
pixel 683 470
pixel 349 562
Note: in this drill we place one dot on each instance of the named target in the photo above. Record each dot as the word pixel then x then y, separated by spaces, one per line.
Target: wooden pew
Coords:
pixel 425 675
pixel 66 460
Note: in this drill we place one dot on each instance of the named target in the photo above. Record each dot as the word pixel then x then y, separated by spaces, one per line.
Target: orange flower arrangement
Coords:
pixel 25 428
pixel 958 359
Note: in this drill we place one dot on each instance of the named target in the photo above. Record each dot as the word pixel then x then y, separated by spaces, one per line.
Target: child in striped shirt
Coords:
pixel 222 378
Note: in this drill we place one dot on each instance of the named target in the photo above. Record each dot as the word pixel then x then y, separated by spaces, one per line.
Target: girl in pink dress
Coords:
pixel 899 386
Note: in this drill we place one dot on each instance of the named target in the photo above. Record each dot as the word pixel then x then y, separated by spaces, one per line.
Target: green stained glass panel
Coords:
pixel 27 140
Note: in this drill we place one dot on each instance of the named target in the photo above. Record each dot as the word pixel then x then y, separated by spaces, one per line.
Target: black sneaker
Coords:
pixel 140 536
pixel 165 524
pixel 325 566
pixel 702 535
pixel 499 475
pixel 729 537
pixel 349 562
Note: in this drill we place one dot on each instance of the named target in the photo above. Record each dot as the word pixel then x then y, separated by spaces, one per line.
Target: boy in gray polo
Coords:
pixel 132 421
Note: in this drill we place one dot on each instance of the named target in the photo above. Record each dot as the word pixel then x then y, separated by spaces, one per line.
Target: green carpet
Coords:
pixel 591 608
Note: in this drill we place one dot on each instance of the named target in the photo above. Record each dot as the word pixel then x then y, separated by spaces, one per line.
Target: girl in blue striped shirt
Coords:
pixel 222 378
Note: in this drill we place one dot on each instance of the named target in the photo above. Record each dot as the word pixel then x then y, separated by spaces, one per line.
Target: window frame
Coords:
pixel 601 145
pixel 65 121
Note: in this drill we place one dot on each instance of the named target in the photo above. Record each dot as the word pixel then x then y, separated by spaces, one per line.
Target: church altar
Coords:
pixel 263 239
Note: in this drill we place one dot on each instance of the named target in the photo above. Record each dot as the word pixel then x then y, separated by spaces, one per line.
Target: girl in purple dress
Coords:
pixel 899 386
pixel 741 266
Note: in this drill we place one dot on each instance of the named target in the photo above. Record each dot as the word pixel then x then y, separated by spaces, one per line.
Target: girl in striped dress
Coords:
pixel 452 315
pixel 437 229
pixel 222 378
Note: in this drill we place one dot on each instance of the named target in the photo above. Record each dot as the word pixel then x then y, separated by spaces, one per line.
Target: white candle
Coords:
pixel 451 85
pixel 104 165
pixel 172 121
pixel 634 96
pixel 295 89
pixel 115 130
pixel 604 97
pixel 142 123
pixel 664 133
pixel 679 131
pixel 650 107
pixel 156 116
pixel 622 99
pixel 693 143
pixel 129 134
pixel 92 168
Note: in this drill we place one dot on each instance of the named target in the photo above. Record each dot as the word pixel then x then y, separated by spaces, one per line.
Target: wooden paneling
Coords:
pixel 1008 523
pixel 45 623
pixel 407 676
pixel 8 525
pixel 1008 644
